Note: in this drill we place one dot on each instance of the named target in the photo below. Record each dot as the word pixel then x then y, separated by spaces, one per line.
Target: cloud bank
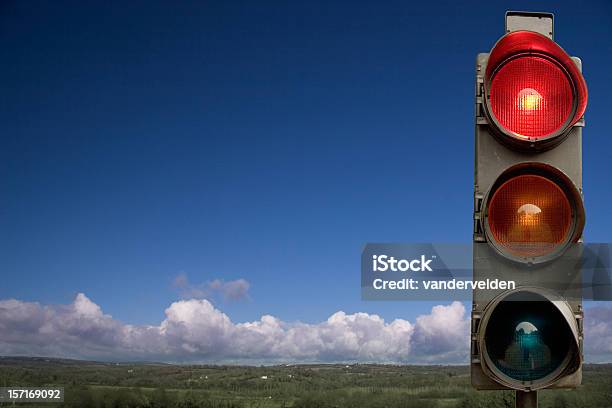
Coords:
pixel 195 331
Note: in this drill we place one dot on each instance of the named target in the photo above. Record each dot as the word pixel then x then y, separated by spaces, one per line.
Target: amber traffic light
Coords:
pixel 532 215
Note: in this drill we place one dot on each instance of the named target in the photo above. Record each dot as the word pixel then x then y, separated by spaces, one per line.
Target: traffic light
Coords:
pixel 528 210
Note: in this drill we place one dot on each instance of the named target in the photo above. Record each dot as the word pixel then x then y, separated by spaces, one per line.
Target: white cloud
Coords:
pixel 443 335
pixel 598 333
pixel 194 330
pixel 229 290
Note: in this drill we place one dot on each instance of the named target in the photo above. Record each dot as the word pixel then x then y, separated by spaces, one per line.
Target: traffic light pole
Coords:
pixel 526 399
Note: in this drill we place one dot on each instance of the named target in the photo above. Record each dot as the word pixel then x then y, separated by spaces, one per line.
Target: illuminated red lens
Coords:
pixel 531 96
pixel 529 215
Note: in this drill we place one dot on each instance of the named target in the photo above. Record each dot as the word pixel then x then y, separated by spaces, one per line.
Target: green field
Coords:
pixel 92 384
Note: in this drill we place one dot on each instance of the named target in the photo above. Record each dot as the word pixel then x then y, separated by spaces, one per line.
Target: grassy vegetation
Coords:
pixel 91 384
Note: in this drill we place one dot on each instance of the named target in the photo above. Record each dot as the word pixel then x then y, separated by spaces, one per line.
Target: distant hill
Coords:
pixel 150 385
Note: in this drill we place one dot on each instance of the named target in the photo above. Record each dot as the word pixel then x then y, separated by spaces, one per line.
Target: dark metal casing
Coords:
pixel 559 277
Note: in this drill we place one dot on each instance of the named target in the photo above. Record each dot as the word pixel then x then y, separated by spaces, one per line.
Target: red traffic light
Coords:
pixel 531 97
pixel 534 91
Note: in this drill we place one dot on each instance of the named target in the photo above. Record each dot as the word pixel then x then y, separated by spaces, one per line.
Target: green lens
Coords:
pixel 527 337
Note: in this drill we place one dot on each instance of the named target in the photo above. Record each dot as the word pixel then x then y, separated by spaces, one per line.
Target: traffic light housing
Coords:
pixel 528 210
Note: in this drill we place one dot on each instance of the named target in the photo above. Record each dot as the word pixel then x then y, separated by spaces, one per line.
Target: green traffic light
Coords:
pixel 527 340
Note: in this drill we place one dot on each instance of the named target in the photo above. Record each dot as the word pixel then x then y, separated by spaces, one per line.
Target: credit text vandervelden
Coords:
pixel 384 263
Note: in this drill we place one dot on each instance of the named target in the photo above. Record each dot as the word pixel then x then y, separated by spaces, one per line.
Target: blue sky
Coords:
pixel 267 142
